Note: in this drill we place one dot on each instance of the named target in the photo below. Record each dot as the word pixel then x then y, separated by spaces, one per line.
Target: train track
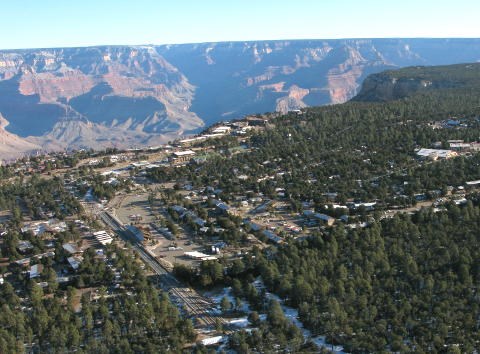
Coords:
pixel 201 308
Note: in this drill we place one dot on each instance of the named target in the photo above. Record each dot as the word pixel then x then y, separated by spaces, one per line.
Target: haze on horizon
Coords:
pixel 56 23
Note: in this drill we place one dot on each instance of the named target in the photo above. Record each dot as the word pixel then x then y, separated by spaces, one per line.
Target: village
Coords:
pixel 189 225
pixel 183 223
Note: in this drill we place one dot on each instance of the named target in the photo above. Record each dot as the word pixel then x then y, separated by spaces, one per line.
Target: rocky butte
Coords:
pixel 124 96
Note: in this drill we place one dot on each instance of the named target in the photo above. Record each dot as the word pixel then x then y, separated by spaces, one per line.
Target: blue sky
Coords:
pixel 62 23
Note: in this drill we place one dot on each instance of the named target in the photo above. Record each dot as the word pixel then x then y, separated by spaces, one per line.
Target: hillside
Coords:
pixel 121 96
pixel 396 84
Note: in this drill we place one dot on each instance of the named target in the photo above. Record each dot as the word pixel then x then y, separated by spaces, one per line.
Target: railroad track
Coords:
pixel 194 304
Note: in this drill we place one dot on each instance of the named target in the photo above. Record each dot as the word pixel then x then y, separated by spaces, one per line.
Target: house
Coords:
pixel 254 226
pixel 24 262
pixel 452 123
pixel 71 248
pixel 24 246
pixel 75 262
pixel 199 221
pixel 35 270
pixel 222 208
pixel 179 210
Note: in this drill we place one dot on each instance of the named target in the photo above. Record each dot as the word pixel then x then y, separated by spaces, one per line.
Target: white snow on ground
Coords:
pixel 227 292
pixel 290 313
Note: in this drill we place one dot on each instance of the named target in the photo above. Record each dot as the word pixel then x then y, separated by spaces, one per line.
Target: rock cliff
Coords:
pixel 136 95
pixel 77 97
pixel 397 84
pixel 237 78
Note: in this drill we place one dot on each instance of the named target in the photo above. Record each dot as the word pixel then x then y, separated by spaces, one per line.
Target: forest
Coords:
pixel 405 283
pixel 360 151
pixel 135 319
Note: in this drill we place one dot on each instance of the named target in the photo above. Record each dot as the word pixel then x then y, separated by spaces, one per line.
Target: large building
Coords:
pixel 319 217
pixel 136 232
pixel 103 237
pixel 435 154
pixel 179 157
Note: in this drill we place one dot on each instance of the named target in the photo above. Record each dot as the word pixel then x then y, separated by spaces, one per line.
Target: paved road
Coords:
pixel 200 308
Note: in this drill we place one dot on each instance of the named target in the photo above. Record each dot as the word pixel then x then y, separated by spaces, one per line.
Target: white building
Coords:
pixel 199 256
pixel 221 130
pixel 103 237
pixel 435 154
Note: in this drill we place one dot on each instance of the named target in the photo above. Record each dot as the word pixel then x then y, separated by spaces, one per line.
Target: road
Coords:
pixel 200 308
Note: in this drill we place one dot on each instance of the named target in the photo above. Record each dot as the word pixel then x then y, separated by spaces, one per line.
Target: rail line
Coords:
pixel 201 308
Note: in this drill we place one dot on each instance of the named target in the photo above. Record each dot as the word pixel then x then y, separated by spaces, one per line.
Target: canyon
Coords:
pixel 127 96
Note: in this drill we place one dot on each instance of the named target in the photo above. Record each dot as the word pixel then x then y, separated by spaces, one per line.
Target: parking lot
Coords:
pixel 135 204
pixel 171 251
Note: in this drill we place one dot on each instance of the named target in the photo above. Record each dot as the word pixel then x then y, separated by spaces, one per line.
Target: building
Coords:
pixel 323 218
pixel 253 121
pixel 199 256
pixel 75 262
pixel 460 145
pixel 71 248
pixel 368 206
pixel 473 183
pixel 222 208
pixel 319 217
pixel 435 154
pixel 179 157
pixel 24 246
pixel 191 141
pixel 221 130
pixel 40 227
pixel 136 232
pixel 35 270
pixel 103 237
pixel 213 340
pixel 272 237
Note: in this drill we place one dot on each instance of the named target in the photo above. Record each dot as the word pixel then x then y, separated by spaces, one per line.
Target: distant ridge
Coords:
pixel 397 84
pixel 146 94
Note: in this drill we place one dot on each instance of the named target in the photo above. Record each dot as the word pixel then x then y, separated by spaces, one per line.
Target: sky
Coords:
pixel 72 23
